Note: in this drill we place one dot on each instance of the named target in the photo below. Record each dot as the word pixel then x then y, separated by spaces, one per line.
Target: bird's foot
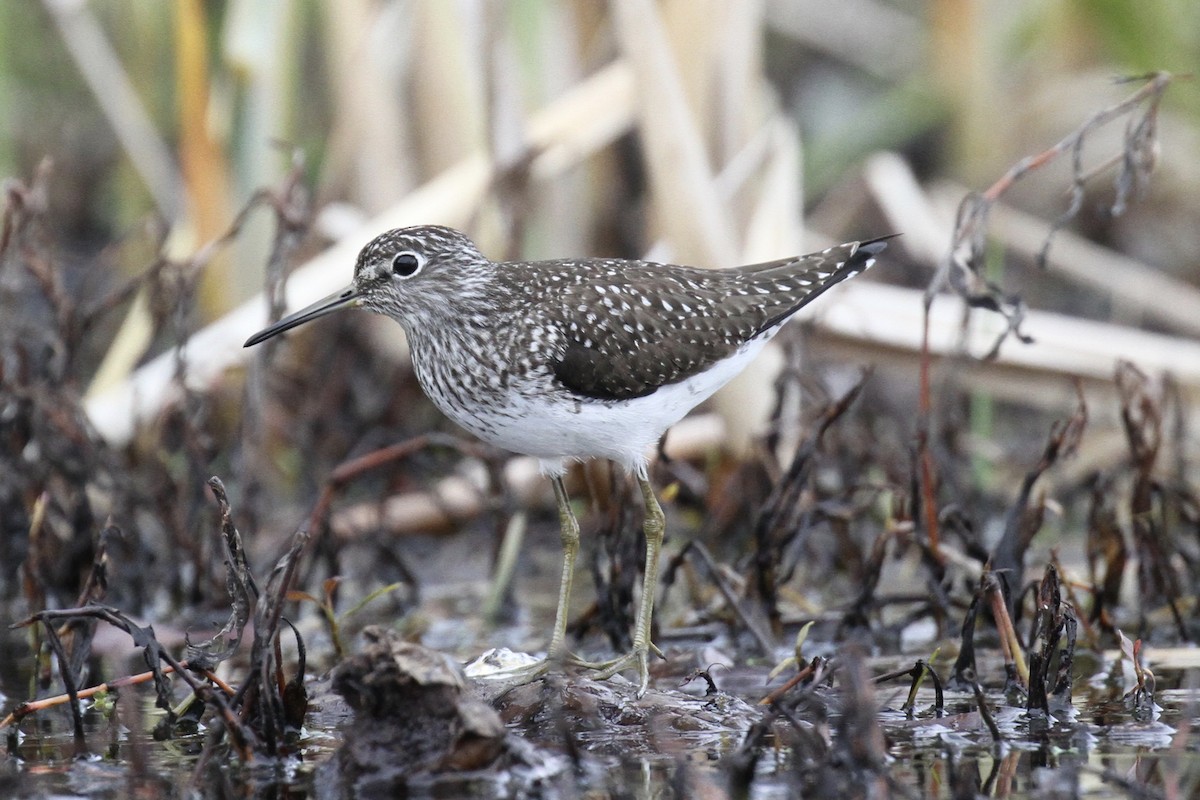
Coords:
pixel 638 658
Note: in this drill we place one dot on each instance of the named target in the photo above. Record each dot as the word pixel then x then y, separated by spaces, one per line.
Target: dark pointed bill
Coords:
pixel 346 298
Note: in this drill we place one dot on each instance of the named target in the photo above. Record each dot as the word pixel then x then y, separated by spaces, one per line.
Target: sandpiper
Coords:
pixel 577 358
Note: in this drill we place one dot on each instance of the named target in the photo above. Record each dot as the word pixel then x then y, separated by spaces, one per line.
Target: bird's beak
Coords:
pixel 346 298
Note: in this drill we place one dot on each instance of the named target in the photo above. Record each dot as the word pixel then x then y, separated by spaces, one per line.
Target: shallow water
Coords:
pixel 1098 749
pixel 685 746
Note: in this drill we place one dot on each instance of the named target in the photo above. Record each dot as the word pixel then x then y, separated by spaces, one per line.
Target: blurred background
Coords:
pixel 183 110
pixel 1023 399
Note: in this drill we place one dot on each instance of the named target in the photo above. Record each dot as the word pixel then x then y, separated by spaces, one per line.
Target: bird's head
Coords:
pixel 410 274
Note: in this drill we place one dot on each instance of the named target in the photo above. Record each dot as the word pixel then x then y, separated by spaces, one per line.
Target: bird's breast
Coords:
pixel 483 381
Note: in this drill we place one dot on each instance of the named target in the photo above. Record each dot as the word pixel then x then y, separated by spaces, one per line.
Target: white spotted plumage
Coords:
pixel 582 358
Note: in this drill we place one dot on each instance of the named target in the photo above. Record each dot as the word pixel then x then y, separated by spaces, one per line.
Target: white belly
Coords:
pixel 623 431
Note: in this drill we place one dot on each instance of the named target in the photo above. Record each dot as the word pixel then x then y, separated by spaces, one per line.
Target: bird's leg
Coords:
pixel 655 526
pixel 556 651
pixel 570 544
pixel 639 655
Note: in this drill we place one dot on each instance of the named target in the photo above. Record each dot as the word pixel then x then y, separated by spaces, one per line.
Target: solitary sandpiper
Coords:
pixel 577 358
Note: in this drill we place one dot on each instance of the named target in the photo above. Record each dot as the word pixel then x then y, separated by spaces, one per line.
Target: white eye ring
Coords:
pixel 406 263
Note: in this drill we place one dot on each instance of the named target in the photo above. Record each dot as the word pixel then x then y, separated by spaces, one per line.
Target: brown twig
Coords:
pixel 773 528
pixel 812 672
pixel 961 269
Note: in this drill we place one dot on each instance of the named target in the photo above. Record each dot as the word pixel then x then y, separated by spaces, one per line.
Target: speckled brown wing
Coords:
pixel 664 325
pixel 628 328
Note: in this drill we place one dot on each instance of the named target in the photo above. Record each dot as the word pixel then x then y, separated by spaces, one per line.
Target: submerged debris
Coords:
pixel 415 719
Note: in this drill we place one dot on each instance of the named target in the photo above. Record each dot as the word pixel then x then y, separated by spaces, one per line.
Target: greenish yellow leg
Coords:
pixel 556 651
pixel 639 655
pixel 655 527
pixel 570 545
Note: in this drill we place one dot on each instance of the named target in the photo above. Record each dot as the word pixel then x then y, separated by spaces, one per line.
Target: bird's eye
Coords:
pixel 405 264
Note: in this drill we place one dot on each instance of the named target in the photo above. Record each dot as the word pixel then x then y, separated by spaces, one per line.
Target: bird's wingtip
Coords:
pixel 877 245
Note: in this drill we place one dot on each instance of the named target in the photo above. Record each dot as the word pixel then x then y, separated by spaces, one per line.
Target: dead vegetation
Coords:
pixel 907 526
